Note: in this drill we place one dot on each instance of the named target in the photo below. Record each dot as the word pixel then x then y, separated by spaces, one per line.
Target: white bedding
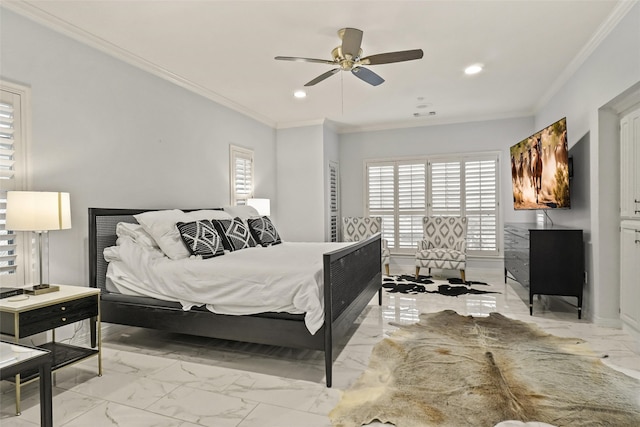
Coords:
pixel 283 278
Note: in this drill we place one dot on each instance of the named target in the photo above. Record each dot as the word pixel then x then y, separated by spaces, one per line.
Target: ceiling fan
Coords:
pixel 348 57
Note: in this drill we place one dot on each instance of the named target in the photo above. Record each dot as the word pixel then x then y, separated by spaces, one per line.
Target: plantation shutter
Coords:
pixel 404 191
pixel 334 202
pixel 12 165
pixel 481 205
pixel 381 197
pixel 411 203
pixel 446 188
pixel 241 175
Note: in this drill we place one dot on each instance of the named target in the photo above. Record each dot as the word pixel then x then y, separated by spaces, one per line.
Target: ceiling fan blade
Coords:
pixel 298 59
pixel 387 58
pixel 351 41
pixel 367 75
pixel 323 76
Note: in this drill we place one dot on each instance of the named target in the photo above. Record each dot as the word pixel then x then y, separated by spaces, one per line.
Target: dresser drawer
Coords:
pixel 54 316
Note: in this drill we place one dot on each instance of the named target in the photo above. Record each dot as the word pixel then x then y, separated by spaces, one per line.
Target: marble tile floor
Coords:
pixel 156 379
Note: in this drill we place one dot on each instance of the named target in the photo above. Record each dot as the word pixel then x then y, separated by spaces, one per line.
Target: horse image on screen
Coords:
pixel 540 169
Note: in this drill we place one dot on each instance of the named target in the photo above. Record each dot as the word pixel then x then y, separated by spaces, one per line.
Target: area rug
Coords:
pixel 453 370
pixel 406 284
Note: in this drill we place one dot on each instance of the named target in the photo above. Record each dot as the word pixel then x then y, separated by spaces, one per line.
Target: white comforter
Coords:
pixel 282 278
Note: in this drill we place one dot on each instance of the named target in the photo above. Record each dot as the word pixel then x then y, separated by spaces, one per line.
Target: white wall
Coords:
pixel 494 135
pixel 115 136
pixel 610 70
pixel 301 184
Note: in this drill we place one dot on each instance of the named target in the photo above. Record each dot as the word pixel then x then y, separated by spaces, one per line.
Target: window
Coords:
pixel 241 174
pixel 404 191
pixel 334 202
pixel 397 194
pixel 14 250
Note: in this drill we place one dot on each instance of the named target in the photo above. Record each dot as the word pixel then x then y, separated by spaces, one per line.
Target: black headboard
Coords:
pixel 102 234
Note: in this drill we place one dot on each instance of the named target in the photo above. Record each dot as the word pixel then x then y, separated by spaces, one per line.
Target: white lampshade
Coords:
pixel 263 206
pixel 37 211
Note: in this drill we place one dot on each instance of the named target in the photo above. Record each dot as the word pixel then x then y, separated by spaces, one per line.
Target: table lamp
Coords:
pixel 263 206
pixel 39 212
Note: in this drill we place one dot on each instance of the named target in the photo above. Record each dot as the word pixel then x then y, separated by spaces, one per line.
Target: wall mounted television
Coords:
pixel 540 169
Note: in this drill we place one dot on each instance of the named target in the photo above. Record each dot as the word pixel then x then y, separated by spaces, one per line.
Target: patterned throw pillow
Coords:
pixel 234 233
pixel 201 238
pixel 263 231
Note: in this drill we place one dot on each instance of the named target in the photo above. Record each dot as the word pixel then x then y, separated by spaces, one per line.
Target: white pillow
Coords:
pixel 136 233
pixel 209 214
pixel 161 225
pixel 243 212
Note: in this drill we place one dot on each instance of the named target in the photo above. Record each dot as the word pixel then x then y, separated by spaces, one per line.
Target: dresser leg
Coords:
pixel 530 304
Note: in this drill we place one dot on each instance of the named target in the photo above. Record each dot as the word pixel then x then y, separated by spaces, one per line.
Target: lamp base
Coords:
pixel 41 289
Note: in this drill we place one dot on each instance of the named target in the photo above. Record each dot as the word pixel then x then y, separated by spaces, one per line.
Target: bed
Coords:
pixel 351 276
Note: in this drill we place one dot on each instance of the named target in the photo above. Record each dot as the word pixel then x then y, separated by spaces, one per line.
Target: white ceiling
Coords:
pixel 225 51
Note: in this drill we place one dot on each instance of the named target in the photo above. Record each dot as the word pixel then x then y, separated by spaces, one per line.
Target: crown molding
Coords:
pixel 430 121
pixel 618 13
pixel 300 124
pixel 58 25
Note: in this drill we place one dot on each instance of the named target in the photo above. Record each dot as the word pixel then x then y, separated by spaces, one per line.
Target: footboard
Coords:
pixel 352 276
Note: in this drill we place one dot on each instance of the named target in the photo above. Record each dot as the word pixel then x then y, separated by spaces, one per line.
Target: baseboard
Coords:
pixel 408 261
pixel 635 335
pixel 607 322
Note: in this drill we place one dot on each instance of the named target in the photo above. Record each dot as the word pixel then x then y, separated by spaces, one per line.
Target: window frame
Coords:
pixel 390 216
pixel 335 232
pixel 23 240
pixel 236 153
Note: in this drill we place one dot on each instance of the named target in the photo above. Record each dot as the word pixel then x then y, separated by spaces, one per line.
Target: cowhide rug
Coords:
pixel 453 370
pixel 406 284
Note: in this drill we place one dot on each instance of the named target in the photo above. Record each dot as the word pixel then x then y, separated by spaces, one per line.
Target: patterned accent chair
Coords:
pixel 356 228
pixel 444 245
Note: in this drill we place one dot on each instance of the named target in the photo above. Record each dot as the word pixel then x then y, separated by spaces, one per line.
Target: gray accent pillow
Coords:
pixel 201 238
pixel 263 231
pixel 234 233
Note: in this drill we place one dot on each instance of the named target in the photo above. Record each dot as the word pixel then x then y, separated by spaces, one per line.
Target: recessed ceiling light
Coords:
pixel 300 94
pixel 473 69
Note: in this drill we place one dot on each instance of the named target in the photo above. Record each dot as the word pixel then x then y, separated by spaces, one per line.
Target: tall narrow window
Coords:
pixel 446 198
pixel 334 202
pixel 397 193
pixel 14 250
pixel 468 186
pixel 381 197
pixel 241 174
pixel 481 205
pixel 411 201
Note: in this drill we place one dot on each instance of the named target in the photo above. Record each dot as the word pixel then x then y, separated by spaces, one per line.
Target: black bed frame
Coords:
pixel 352 276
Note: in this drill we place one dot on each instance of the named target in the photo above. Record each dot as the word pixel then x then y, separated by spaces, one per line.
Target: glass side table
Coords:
pixel 18 358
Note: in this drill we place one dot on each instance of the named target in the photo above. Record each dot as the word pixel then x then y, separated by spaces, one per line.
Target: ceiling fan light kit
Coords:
pixel 348 57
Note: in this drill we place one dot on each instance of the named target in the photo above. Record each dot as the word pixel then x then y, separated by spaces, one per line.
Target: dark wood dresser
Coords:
pixel 549 260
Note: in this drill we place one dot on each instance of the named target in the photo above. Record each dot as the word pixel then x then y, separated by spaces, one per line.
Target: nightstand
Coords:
pixel 17 358
pixel 45 312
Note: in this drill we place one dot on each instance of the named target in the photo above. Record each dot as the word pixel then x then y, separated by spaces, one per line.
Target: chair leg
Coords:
pixel 386 269
pixel 417 272
pixel 462 275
